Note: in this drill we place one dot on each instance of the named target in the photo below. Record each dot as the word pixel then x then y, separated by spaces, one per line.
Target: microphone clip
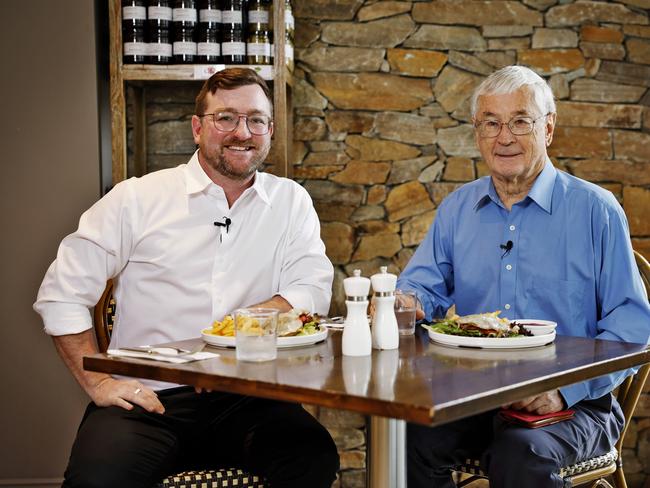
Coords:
pixel 507 247
pixel 226 223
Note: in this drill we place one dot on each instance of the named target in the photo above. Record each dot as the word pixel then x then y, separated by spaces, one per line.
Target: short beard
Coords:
pixel 218 162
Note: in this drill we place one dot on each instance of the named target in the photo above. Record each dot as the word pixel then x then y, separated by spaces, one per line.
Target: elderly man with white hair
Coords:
pixel 533 242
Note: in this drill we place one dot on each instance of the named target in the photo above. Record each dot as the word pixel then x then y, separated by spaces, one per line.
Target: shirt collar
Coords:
pixel 541 192
pixel 258 186
pixel 198 181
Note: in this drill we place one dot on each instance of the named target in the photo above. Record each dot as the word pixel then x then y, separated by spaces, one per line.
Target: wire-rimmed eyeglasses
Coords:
pixel 258 124
pixel 519 126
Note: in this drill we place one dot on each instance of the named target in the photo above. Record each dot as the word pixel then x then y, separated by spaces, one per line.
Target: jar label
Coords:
pixel 231 17
pixel 134 13
pixel 209 49
pixel 288 51
pixel 159 49
pixel 209 15
pixel 288 19
pixel 258 49
pixel 258 17
pixel 184 14
pixel 187 48
pixel 233 48
pixel 135 49
pixel 159 13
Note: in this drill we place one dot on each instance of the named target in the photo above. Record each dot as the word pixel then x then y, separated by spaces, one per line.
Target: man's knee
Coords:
pixel 322 456
pixel 519 453
pixel 115 448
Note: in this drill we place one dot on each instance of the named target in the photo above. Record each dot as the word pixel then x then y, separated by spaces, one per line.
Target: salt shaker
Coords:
pixel 385 334
pixel 356 332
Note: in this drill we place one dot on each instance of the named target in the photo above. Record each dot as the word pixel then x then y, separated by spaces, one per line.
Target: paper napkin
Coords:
pixel 180 359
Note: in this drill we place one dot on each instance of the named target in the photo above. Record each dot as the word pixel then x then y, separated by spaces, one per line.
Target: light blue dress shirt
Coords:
pixel 571 262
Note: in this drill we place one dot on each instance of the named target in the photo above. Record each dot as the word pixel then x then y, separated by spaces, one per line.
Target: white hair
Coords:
pixel 512 78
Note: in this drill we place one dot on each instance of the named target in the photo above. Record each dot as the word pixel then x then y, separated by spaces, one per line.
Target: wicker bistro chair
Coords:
pixel 209 478
pixel 595 470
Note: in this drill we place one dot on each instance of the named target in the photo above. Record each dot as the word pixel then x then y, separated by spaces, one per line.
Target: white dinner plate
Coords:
pixel 294 341
pixel 490 342
pixel 536 326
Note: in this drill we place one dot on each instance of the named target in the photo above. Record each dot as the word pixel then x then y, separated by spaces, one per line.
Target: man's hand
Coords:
pixel 419 313
pixel 548 402
pixel 277 302
pixel 103 389
pixel 125 394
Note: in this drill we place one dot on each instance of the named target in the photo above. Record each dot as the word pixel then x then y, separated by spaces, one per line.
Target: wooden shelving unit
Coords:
pixel 137 76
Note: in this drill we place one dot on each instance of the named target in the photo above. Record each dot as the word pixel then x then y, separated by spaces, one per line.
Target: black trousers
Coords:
pixel 279 441
pixel 512 456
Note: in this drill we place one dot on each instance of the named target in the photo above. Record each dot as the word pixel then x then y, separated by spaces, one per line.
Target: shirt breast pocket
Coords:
pixel 558 300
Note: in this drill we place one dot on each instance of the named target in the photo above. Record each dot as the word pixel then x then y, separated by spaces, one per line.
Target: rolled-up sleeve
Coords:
pixel 85 260
pixel 307 273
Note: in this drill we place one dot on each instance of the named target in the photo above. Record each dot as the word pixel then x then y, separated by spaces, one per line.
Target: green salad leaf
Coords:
pixel 308 329
pixel 450 327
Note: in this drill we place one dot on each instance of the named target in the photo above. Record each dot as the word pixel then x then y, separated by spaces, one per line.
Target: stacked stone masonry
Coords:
pixel 382 129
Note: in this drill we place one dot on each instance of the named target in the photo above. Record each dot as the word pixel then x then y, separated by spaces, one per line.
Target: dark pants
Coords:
pixel 512 456
pixel 279 441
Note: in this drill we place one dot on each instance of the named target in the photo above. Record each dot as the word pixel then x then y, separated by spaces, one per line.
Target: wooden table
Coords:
pixel 419 382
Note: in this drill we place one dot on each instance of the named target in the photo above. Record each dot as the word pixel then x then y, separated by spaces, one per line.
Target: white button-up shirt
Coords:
pixel 175 271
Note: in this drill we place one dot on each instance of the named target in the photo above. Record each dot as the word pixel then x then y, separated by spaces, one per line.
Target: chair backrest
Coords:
pixel 644 270
pixel 630 390
pixel 103 317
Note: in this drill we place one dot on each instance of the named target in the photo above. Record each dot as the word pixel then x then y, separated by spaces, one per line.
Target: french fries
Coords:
pixel 226 327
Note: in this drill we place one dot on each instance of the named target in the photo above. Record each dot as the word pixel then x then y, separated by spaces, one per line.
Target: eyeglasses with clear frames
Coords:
pixel 258 124
pixel 518 126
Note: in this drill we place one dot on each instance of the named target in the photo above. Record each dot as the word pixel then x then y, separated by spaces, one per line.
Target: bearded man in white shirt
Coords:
pixel 175 271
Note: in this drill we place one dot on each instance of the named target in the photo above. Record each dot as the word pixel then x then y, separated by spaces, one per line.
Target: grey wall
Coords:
pixel 49 155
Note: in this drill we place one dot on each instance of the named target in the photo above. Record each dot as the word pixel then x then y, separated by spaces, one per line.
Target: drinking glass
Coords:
pixel 406 302
pixel 255 334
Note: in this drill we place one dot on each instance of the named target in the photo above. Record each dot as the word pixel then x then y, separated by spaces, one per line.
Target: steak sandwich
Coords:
pixel 480 325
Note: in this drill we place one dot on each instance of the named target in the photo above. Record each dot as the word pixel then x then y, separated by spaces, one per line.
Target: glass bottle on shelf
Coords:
pixel 159 20
pixel 233 40
pixel 134 17
pixel 258 39
pixel 289 23
pixel 288 51
pixel 209 32
pixel 184 20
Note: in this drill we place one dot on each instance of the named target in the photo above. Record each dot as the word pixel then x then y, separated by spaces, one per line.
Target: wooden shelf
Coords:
pixel 139 74
pixel 185 72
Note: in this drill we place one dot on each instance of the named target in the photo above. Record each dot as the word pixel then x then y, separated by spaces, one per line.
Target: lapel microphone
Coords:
pixel 507 247
pixel 226 223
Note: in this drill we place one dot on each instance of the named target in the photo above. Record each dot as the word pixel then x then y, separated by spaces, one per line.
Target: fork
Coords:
pixel 162 350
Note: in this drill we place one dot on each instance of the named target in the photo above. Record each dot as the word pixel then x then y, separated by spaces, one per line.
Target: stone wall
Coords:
pixel 382 128
pixel 382 123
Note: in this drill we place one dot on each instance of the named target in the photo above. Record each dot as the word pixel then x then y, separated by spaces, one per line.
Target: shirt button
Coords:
pixel 512 227
pixel 507 306
pixel 508 267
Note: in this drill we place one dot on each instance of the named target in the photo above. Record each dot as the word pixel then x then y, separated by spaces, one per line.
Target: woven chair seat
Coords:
pixel 590 464
pixel 220 478
pixel 473 466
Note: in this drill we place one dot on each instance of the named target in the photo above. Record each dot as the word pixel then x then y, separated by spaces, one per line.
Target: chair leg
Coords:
pixel 602 483
pixel 468 481
pixel 619 478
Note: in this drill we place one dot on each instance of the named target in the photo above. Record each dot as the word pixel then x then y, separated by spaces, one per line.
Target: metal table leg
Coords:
pixel 386 453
